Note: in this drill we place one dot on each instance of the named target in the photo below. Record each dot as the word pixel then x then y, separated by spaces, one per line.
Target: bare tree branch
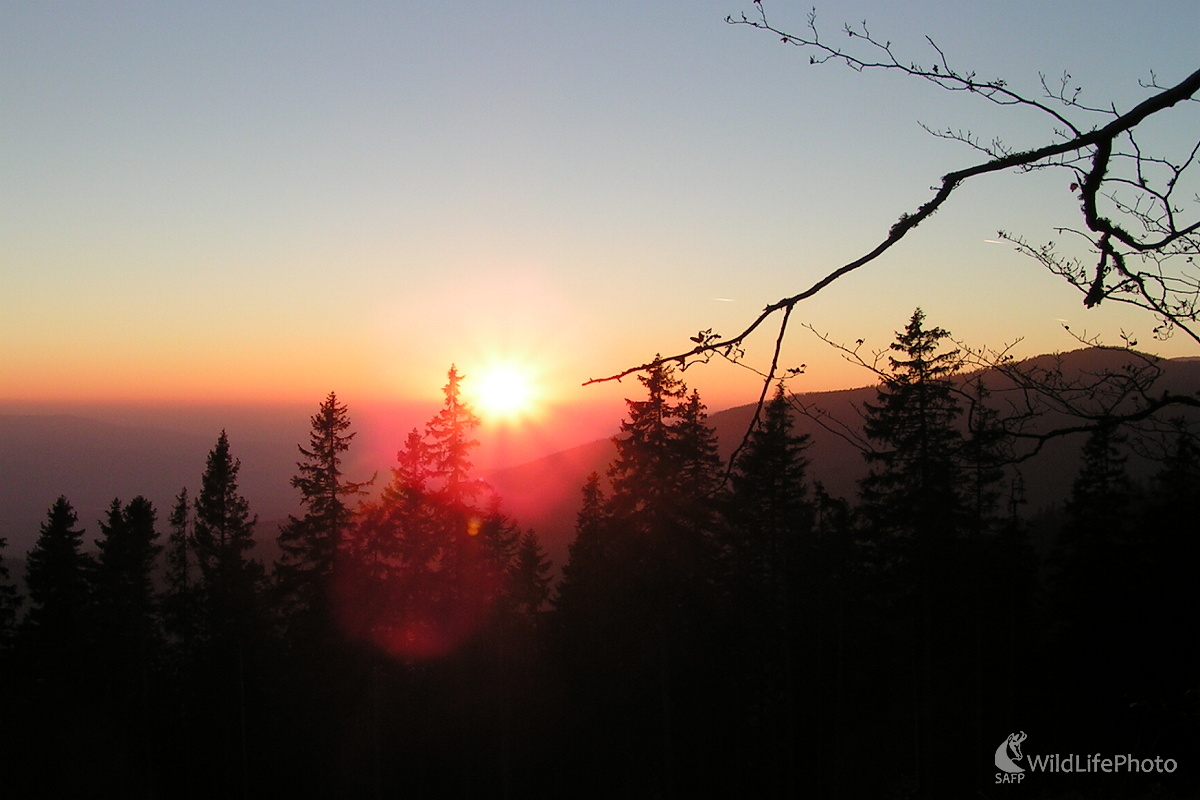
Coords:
pixel 1035 401
pixel 1041 400
pixel 1130 267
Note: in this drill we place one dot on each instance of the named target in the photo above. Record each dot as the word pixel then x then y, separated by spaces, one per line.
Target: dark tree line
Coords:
pixel 745 637
pixel 764 638
pixel 187 668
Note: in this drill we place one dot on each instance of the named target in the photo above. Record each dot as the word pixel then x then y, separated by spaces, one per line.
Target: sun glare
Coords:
pixel 504 391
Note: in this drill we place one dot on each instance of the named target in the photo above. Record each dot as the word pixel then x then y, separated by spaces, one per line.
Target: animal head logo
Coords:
pixel 1012 743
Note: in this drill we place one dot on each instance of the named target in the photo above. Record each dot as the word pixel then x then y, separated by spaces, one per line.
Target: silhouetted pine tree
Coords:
pixel 999 575
pixel 495 543
pixel 772 559
pixel 912 509
pixel 448 446
pixel 222 537
pixel 58 704
pixel 313 547
pixel 57 575
pixel 645 471
pixel 233 631
pixel 770 511
pixel 663 504
pixel 642 588
pixel 589 556
pixel 985 452
pixel 912 498
pixel 474 541
pixel 128 644
pixel 529 577
pixel 186 667
pixel 56 649
pixel 699 465
pixel 588 639
pixel 310 543
pixel 181 594
pixel 429 582
pixel 387 550
pixel 432 553
pixel 690 542
pixel 124 576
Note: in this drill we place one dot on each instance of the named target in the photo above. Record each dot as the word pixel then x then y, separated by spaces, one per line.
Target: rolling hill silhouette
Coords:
pixel 545 494
pixel 92 462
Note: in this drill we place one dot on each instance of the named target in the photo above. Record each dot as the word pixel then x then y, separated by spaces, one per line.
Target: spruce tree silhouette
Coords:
pixel 56 652
pixel 222 537
pixel 129 645
pixel 181 594
pixel 642 588
pixel 912 511
pixel 771 553
pixel 233 617
pixel 303 575
pixel 56 575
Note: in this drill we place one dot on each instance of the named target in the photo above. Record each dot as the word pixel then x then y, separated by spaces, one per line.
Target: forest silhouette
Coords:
pixel 718 629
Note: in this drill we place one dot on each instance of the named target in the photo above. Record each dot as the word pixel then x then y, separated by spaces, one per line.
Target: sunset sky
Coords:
pixel 260 202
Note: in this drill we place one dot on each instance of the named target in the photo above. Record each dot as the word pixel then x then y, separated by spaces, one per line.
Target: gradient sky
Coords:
pixel 261 201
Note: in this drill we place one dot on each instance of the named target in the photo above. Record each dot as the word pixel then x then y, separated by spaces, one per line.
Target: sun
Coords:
pixel 505 391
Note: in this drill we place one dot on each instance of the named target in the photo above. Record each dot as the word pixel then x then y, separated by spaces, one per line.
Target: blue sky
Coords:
pixel 263 201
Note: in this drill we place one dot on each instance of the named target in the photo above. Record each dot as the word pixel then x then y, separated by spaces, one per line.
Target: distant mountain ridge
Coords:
pixel 91 462
pixel 545 494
